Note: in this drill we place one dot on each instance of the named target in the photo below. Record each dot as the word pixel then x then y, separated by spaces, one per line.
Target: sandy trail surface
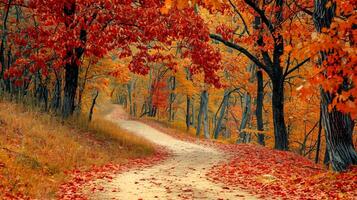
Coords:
pixel 181 176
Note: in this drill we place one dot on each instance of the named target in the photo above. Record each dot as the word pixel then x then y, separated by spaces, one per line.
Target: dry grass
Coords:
pixel 37 148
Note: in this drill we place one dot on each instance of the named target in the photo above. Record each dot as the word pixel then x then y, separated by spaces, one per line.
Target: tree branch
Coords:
pixel 240 49
pixel 305 10
pixel 262 15
pixel 296 67
pixel 240 15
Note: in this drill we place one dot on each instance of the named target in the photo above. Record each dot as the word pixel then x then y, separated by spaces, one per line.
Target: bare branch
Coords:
pixel 240 15
pixel 296 67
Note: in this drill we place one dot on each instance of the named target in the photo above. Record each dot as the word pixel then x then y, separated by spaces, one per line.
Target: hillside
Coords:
pixel 36 150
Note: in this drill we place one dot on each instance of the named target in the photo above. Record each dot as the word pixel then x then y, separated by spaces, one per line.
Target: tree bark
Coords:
pixel 280 134
pixel 222 114
pixel 172 83
pixel 130 87
pixel 318 145
pixel 205 117
pixel 134 109
pixel 72 66
pixel 188 117
pixel 70 89
pixel 203 113
pixel 199 118
pixel 338 126
pixel 82 87
pixel 92 106
pixel 260 90
pixel 243 136
pixel 326 157
pixel 259 107
pixel 3 38
pixel 338 130
pixel 193 113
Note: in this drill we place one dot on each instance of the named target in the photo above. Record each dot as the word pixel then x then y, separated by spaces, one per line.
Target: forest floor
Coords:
pixel 267 173
pixel 202 169
pixel 181 176
pixel 42 157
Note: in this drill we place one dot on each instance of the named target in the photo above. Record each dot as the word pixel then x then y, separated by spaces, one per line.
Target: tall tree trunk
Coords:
pixel 278 78
pixel 82 87
pixel 134 109
pixel 205 116
pixel 193 113
pixel 70 89
pixel 318 145
pixel 130 86
pixel 189 121
pixel 92 106
pixel 188 117
pixel 338 126
pixel 227 131
pixel 259 107
pixel 326 157
pixel 72 67
pixel 172 97
pixel 260 90
pixel 44 96
pixel 338 130
pixel 243 136
pixel 222 114
pixel 280 134
pixel 199 118
pixel 3 39
pixel 203 113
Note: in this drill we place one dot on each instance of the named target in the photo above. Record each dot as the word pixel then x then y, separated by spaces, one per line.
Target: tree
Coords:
pixel 339 68
pixel 68 31
pixel 203 112
pixel 270 44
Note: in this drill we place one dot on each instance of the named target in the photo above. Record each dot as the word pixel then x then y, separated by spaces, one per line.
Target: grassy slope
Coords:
pixel 36 149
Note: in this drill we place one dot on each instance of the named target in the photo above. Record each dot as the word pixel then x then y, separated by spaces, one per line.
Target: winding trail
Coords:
pixel 182 176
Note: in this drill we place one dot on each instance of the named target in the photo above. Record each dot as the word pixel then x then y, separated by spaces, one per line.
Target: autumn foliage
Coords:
pixel 98 27
pixel 279 73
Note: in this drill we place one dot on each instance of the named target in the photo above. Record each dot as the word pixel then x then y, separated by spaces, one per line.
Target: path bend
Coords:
pixel 182 176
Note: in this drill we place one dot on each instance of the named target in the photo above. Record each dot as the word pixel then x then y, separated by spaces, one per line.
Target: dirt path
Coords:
pixel 182 176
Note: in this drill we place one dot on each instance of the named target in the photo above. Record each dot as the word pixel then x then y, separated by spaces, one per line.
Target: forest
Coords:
pixel 254 78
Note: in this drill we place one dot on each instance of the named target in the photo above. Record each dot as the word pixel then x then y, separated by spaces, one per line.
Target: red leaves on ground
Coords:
pixel 273 174
pixel 270 173
pixel 8 190
pixel 73 189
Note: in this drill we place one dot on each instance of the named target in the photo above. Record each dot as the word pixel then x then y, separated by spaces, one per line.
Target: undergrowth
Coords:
pixel 36 149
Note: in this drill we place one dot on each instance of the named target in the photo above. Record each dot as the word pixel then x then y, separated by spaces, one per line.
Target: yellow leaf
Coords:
pixel 166 8
pixel 181 4
pixel 288 48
